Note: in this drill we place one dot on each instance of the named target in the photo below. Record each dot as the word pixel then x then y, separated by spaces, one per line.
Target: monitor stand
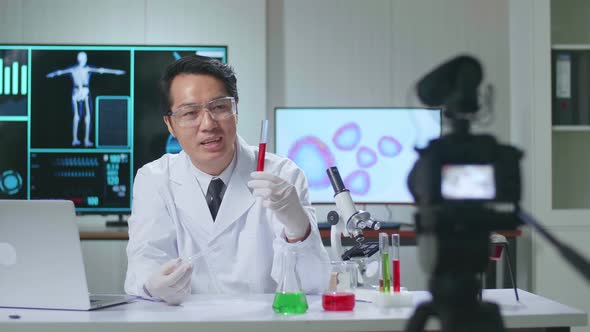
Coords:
pixel 117 223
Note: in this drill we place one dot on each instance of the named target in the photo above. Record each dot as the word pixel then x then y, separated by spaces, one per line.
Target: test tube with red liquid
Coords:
pixel 262 145
pixel 395 262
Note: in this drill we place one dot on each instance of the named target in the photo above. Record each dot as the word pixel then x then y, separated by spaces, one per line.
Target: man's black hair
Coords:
pixel 196 64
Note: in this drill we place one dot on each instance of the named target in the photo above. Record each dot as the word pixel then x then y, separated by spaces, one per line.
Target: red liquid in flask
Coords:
pixel 340 301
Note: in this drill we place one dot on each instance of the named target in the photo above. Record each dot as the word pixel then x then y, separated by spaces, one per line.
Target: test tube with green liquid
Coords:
pixel 385 280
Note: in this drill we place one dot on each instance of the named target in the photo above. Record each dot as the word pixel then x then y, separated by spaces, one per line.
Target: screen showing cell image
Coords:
pixel 373 148
pixel 77 121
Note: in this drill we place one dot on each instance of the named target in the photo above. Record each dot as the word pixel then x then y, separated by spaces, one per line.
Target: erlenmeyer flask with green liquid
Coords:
pixel 289 298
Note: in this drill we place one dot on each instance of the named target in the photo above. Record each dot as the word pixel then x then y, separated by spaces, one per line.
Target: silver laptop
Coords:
pixel 41 262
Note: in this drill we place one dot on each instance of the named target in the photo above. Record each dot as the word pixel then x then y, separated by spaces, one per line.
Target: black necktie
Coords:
pixel 214 196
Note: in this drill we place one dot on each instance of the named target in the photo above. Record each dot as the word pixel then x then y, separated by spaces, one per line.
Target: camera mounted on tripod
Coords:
pixel 465 186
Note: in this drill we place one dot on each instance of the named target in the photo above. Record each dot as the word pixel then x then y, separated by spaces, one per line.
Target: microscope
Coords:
pixel 348 221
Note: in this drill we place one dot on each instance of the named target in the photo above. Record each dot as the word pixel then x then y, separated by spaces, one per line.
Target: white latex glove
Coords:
pixel 281 197
pixel 172 283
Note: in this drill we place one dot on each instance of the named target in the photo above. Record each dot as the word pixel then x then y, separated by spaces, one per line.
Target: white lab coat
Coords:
pixel 170 219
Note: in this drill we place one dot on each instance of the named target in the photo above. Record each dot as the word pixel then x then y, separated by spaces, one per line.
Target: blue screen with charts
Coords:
pixel 77 121
pixel 373 148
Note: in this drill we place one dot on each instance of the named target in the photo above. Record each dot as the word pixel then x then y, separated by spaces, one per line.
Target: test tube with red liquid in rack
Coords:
pixel 262 145
pixel 395 262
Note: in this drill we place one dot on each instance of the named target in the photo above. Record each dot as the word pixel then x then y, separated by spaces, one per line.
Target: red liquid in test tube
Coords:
pixel 262 145
pixel 396 276
pixel 395 263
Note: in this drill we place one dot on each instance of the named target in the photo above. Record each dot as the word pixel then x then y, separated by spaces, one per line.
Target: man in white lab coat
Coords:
pixel 208 199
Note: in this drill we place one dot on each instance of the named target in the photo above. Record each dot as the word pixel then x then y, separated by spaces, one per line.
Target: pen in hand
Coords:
pixel 193 258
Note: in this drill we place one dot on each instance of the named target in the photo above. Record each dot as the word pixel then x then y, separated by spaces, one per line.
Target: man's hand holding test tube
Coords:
pixel 279 195
pixel 172 283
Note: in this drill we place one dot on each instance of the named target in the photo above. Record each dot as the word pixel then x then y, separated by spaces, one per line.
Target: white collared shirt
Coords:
pixel 204 179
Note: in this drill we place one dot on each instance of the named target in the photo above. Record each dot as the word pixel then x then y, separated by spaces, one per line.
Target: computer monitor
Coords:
pixel 373 148
pixel 77 121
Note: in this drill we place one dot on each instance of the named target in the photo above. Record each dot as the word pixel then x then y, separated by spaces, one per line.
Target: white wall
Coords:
pixel 371 53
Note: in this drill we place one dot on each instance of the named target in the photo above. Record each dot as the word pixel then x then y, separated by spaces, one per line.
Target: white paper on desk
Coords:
pixel 365 295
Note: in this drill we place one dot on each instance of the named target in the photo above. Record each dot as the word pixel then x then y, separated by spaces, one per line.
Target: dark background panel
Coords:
pixel 150 132
pixel 12 104
pixel 51 98
pixel 13 155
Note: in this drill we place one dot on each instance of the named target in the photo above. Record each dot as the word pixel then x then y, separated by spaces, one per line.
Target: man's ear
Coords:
pixel 168 122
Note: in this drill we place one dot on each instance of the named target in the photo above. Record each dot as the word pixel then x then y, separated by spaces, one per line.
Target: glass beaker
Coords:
pixel 289 298
pixel 339 293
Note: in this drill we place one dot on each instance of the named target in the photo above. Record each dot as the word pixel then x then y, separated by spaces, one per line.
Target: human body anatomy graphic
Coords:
pixel 81 97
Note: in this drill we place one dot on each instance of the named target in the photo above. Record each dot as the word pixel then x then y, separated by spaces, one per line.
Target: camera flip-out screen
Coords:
pixel 466 182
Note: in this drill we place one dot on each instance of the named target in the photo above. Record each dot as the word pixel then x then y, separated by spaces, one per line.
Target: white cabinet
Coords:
pixel 570 92
pixel 557 181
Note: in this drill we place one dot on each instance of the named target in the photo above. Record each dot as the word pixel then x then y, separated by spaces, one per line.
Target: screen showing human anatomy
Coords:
pixel 77 121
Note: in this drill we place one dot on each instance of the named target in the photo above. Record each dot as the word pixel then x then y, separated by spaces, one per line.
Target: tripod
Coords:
pixel 455 302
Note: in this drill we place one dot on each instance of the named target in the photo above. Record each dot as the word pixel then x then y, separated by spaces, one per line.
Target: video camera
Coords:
pixel 464 185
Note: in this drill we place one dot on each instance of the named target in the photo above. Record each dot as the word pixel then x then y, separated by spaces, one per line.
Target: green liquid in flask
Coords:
pixel 290 303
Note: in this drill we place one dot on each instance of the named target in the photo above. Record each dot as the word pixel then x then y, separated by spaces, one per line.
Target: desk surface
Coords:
pixel 254 313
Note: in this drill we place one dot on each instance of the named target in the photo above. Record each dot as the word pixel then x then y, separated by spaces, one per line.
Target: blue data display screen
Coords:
pixel 77 121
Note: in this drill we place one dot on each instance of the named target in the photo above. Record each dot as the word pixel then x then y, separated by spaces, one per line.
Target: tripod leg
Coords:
pixel 417 322
pixel 511 272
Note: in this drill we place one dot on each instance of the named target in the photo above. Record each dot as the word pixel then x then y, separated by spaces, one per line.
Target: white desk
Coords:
pixel 254 313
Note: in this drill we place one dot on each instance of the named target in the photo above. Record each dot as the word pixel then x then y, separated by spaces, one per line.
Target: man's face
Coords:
pixel 210 144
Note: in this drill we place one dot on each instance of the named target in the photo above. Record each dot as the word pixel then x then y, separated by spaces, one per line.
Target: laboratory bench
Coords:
pixel 407 234
pixel 497 276
pixel 253 312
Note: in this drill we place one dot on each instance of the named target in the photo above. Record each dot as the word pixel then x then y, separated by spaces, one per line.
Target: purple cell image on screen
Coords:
pixel 347 137
pixel 389 146
pixel 358 182
pixel 366 157
pixel 314 157
pixel 372 147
